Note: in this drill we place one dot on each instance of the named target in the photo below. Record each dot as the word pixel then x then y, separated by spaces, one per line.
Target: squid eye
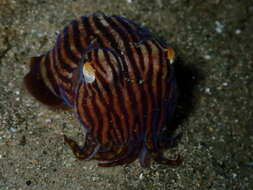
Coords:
pixel 88 72
pixel 171 55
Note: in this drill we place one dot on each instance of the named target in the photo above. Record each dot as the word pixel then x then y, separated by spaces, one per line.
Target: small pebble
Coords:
pixel 219 27
pixel 13 129
pixel 207 90
pixel 225 84
pixel 141 176
pixel 238 31
pixel 207 57
pixel 17 92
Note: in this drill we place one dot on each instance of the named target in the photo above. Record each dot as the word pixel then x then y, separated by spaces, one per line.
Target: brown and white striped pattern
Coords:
pixel 127 104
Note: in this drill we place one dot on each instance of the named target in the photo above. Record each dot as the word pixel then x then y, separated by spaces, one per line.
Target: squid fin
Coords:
pixel 34 83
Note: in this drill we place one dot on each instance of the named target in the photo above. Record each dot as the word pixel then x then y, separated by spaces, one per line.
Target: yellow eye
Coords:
pixel 88 72
pixel 171 55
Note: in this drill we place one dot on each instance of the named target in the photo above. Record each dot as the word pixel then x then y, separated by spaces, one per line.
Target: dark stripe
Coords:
pixel 135 92
pixel 160 80
pixel 102 111
pixel 117 72
pixel 94 117
pixel 144 59
pixel 157 91
pixel 155 52
pixel 106 112
pixel 66 94
pixel 147 101
pixel 62 82
pixel 144 91
pixel 61 60
pixel 139 54
pixel 67 45
pixel 82 34
pixel 108 90
pixel 76 106
pixel 126 42
pixel 87 29
pixel 131 36
pixel 80 98
pixel 106 99
pixel 151 99
pixel 76 37
pixel 164 90
pixel 77 110
pixel 122 127
pixel 49 74
pixel 139 91
pixel 98 62
pixel 142 32
pixel 97 116
pixel 107 35
pixel 91 36
pixel 100 92
pixel 114 136
pixel 58 68
pixel 135 35
pixel 93 56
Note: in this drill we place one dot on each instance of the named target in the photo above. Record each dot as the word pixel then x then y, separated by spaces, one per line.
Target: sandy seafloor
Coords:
pixel 214 42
